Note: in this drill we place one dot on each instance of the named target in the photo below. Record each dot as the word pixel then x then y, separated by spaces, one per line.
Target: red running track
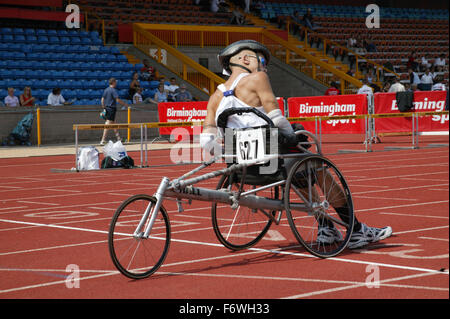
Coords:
pixel 54 223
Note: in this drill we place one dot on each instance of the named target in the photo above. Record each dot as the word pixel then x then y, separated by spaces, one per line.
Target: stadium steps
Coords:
pixel 131 58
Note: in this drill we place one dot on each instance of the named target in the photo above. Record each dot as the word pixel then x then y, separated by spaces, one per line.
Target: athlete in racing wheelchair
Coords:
pixel 255 188
pixel 248 86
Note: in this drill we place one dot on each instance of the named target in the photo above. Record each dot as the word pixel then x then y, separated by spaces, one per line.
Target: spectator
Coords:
pixel 351 72
pixel 333 89
pixel 109 102
pixel 413 77
pixel 412 64
pixel 134 85
pixel 365 88
pixel 426 81
pixel 247 6
pixel 297 20
pixel 386 87
pixel 172 89
pixel 438 85
pixel 184 95
pixel 370 46
pixel 161 94
pixel 352 42
pixel 26 99
pixel 408 87
pixel 424 64
pixel 137 98
pixel 237 18
pixel 147 71
pixel 397 86
pixel 308 20
pixel 440 63
pixel 56 99
pixel 11 100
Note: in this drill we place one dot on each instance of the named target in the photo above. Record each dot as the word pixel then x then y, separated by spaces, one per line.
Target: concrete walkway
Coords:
pixel 69 149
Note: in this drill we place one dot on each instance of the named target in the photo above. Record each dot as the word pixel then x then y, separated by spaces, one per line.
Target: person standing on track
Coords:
pixel 109 102
pixel 245 62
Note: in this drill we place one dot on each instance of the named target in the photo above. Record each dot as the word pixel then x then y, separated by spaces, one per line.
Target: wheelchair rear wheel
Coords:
pixel 242 227
pixel 325 222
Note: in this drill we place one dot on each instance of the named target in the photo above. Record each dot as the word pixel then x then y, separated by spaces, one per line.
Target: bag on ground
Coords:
pixel 88 158
pixel 115 150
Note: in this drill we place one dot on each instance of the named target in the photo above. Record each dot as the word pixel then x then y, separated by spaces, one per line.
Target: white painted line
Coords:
pixel 433 238
pixel 321 292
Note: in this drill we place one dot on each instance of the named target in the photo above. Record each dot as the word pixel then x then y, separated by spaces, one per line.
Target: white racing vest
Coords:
pixel 229 100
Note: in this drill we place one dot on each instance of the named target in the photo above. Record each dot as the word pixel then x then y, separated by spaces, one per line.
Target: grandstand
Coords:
pixel 422 29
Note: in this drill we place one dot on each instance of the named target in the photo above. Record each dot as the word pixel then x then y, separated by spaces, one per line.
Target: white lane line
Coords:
pixel 382 282
pixel 343 282
pixel 263 250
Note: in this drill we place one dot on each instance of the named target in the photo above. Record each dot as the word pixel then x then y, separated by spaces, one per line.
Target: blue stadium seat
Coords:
pixel 31 39
pixel 64 40
pixel 17 31
pixel 53 39
pixel 41 32
pixel 6 30
pixel 86 41
pixel 75 40
pixel 42 39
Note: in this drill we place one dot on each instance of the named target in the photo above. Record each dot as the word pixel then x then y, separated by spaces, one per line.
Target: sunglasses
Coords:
pixel 261 59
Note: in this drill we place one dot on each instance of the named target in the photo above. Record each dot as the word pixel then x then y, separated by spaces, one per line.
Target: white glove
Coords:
pixel 208 143
pixel 280 121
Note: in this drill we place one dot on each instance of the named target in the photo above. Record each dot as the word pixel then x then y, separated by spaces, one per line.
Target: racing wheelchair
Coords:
pixel 266 174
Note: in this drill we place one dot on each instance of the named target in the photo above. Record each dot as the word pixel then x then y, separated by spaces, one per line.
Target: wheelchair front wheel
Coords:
pixel 133 255
pixel 319 206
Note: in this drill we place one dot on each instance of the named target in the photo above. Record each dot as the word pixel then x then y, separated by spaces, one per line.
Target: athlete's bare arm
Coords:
pixel 209 125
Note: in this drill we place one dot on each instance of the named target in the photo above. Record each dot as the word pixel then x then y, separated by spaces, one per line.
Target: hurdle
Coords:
pixel 143 140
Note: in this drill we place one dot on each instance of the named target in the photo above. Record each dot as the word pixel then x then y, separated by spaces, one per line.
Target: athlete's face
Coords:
pixel 257 61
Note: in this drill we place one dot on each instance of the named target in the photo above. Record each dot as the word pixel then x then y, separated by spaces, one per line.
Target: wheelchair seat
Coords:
pixel 256 174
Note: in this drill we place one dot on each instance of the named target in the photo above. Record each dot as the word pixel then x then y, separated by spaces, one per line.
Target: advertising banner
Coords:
pixel 424 101
pixel 172 112
pixel 336 105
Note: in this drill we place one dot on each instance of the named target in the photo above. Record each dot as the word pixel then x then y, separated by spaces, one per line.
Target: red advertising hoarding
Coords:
pixel 335 105
pixel 187 112
pixel 424 101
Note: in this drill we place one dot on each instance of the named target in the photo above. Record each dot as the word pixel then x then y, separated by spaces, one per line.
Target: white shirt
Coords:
pixel 365 89
pixel 171 89
pixel 416 79
pixel 439 61
pixel 427 79
pixel 438 87
pixel 425 62
pixel 137 98
pixel 55 100
pixel 397 87
pixel 11 101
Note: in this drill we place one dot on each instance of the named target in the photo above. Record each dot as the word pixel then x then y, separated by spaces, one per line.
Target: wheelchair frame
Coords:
pixel 182 188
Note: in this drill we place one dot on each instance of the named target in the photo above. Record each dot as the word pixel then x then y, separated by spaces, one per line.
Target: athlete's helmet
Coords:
pixel 236 47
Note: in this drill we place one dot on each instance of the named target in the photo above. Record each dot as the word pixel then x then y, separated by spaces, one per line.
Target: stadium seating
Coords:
pixel 402 30
pixel 77 62
pixel 116 12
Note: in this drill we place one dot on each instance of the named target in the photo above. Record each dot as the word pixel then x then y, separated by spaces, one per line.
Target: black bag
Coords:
pixel 126 162
pixel 404 101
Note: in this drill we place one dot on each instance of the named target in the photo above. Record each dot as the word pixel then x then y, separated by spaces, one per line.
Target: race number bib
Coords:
pixel 250 146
